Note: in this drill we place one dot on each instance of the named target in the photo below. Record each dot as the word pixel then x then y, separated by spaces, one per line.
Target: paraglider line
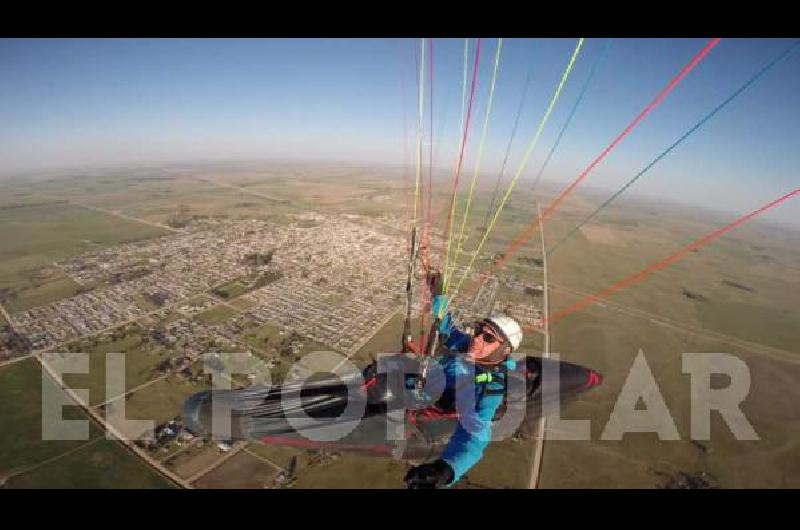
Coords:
pixel 451 214
pixel 490 210
pixel 683 252
pixel 664 153
pixel 460 244
pixel 578 101
pixel 529 230
pixel 524 163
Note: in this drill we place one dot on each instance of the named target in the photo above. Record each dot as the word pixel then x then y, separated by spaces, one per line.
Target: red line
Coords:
pixel 425 232
pixel 527 232
pixel 430 154
pixel 639 276
pixel 464 136
pixel 653 104
pixel 406 182
pixel 426 306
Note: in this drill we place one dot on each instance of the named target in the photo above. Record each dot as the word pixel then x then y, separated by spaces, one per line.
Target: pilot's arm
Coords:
pixel 473 433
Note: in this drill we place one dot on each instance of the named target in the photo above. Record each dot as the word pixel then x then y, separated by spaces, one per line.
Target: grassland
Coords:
pixel 163 400
pixel 746 286
pixel 748 282
pixel 241 471
pixel 242 304
pixel 267 340
pixel 506 464
pixel 101 465
pixel 281 455
pixel 608 340
pixel 21 443
pixel 142 357
pixel 35 236
pixel 386 340
pixel 262 336
pixel 232 289
pixel 216 315
pixel 354 471
pixel 195 459
pixel 758 258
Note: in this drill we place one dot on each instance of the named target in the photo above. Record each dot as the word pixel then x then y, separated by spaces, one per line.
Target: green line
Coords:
pixel 448 270
pixel 525 158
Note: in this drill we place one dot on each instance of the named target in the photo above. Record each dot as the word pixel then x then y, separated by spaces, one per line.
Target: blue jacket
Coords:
pixel 473 433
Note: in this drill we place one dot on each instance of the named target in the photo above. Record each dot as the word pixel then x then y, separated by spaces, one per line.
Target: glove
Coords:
pixel 429 476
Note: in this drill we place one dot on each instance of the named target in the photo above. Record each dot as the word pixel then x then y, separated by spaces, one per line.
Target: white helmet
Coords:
pixel 509 327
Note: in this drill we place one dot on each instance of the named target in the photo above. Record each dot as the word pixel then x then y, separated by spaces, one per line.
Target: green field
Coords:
pixel 768 312
pixel 387 339
pixel 103 465
pixel 142 357
pixel 263 337
pixel 200 200
pixel 195 459
pixel 21 442
pixel 745 286
pixel 241 471
pixel 281 455
pixel 162 400
pixel 216 315
pixel 769 325
pixel 354 471
pixel 230 290
pixel 608 340
pixel 242 304
pixel 532 343
pixel 35 236
pixel 267 339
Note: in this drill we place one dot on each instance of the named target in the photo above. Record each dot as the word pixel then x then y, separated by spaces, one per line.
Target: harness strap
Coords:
pixel 486 378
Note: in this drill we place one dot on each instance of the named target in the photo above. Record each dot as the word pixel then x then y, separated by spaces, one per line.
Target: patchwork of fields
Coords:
pixel 738 295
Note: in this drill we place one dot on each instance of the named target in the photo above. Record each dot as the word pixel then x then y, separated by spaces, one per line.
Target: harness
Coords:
pixel 489 382
pixel 500 375
pixel 493 383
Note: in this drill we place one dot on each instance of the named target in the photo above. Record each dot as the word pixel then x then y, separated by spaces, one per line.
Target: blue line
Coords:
pixel 572 112
pixel 699 124
pixel 490 210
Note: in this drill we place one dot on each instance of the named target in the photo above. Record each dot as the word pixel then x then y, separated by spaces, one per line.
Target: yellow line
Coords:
pixel 477 167
pixel 525 158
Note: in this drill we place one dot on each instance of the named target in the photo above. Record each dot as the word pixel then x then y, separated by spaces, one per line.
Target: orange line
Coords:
pixel 527 232
pixel 669 260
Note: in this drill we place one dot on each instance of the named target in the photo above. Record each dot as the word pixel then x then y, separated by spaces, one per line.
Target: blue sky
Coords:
pixel 96 102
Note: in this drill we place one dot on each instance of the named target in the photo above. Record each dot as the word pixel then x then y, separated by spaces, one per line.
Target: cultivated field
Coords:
pixel 738 295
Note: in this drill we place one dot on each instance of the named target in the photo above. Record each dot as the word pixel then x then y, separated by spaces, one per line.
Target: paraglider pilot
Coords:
pixel 484 353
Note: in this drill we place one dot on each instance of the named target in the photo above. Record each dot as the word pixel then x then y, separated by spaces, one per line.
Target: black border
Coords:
pixel 412 19
pixel 379 509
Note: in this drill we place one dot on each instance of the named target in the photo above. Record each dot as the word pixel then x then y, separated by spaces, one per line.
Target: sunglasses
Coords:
pixel 488 338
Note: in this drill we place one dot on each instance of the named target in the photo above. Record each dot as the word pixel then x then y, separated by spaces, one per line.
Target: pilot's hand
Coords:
pixel 437 474
pixel 435 282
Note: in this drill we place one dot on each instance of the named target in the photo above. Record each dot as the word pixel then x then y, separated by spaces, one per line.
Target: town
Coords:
pixel 334 280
